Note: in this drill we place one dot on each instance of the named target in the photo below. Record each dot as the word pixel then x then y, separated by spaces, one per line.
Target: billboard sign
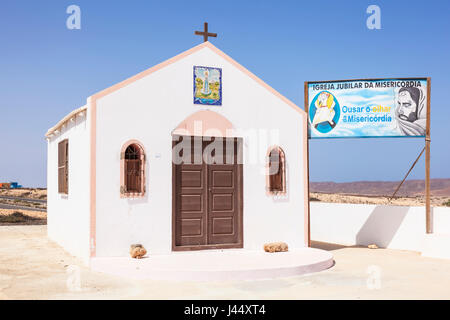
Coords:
pixel 368 108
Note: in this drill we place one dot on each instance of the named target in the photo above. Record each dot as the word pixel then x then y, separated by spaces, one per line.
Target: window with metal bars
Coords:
pixel 276 171
pixel 63 167
pixel 133 170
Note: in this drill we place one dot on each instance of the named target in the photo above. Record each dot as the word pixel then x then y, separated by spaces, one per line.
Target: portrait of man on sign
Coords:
pixel 411 111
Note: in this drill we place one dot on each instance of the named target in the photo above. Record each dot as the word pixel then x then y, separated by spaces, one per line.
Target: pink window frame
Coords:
pixel 123 193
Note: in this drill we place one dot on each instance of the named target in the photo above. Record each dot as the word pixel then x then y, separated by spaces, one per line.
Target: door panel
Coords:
pixel 192 205
pixel 223 206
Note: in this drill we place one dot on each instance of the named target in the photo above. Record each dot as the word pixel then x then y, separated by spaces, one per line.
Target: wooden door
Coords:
pixel 208 200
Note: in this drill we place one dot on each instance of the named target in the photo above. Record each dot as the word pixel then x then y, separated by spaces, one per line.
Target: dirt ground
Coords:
pixel 33 214
pixel 22 217
pixel 32 193
pixel 33 267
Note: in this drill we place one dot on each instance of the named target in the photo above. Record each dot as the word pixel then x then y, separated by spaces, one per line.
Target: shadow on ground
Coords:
pixel 330 246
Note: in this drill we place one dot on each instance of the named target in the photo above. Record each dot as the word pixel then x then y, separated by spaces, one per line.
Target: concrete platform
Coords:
pixel 217 265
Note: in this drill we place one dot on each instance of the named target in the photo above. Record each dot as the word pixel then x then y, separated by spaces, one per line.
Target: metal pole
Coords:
pixel 429 226
pixel 307 159
pixel 396 190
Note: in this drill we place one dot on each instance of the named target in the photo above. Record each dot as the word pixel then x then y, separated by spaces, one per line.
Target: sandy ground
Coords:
pixel 39 194
pixel 32 193
pixel 33 267
pixel 436 201
pixel 30 217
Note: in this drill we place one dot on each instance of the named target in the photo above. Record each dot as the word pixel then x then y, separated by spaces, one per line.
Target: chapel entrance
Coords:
pixel 207 194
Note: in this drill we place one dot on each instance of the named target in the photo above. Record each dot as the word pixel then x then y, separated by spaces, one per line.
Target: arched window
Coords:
pixel 276 171
pixel 132 170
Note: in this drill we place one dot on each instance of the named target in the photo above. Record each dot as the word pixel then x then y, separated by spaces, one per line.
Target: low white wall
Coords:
pixel 395 227
pixel 441 220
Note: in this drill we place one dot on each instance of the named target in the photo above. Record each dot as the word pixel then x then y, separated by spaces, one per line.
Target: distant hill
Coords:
pixel 410 188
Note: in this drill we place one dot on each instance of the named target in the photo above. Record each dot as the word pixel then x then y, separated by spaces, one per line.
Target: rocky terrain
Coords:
pixel 411 193
pixel 436 201
pixel 410 188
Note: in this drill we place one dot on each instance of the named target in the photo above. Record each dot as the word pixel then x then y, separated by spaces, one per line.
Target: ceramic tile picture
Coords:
pixel 207 86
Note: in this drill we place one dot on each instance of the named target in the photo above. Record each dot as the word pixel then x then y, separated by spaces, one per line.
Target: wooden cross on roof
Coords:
pixel 205 33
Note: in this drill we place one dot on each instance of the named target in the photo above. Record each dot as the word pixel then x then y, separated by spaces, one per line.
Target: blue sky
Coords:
pixel 48 70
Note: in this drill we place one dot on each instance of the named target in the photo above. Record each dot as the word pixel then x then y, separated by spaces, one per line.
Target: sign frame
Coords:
pixel 307 83
pixel 428 218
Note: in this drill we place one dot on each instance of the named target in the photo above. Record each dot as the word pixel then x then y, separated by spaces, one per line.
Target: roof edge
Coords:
pixel 256 78
pixel 186 53
pixel 146 72
pixel 165 63
pixel 64 120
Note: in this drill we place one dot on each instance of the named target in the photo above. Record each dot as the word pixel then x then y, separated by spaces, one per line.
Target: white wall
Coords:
pixel 148 110
pixel 394 227
pixel 68 217
pixel 441 220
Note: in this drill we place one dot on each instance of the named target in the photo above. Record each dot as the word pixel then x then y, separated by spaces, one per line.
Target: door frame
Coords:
pixel 240 178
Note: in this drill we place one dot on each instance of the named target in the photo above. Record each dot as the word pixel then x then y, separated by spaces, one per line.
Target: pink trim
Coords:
pixel 151 70
pixel 101 94
pixel 93 195
pixel 305 182
pixel 187 53
pixel 254 77
pixel 122 170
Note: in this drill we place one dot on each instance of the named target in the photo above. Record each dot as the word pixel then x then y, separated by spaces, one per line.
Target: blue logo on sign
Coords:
pixel 324 112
